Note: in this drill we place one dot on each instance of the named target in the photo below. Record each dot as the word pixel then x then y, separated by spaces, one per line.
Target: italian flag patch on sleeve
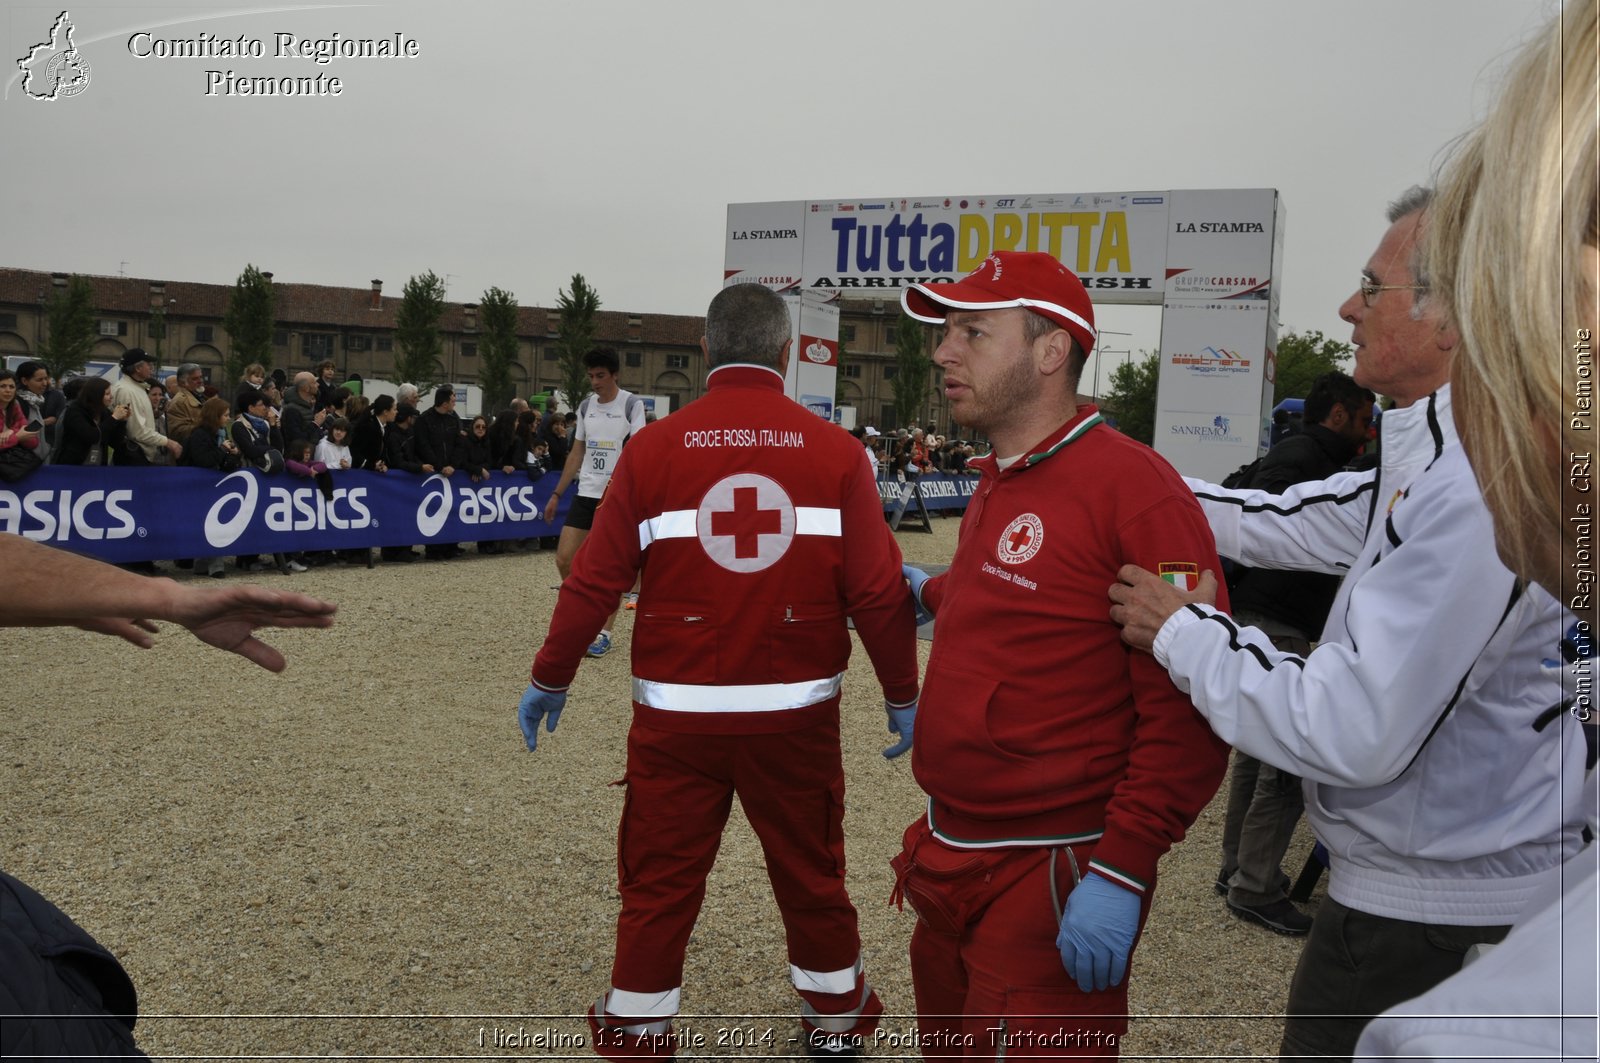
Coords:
pixel 1183 575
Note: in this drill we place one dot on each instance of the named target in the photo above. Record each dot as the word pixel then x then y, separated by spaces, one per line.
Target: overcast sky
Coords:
pixel 530 140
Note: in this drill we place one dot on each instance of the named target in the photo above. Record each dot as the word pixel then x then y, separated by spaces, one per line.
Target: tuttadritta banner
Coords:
pixel 1115 241
pixel 123 514
pixel 1211 258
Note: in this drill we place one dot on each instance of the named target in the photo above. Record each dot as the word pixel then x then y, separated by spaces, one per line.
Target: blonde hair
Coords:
pixel 1506 240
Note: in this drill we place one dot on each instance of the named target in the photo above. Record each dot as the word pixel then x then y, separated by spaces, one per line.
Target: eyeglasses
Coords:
pixel 1370 288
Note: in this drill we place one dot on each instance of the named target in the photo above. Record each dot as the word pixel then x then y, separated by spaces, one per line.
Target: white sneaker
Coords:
pixel 295 566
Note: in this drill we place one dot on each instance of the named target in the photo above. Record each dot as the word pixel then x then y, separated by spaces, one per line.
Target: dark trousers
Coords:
pixel 1264 805
pixel 1356 965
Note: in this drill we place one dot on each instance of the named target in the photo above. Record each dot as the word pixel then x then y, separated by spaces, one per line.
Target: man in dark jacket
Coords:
pixel 399 446
pixel 438 440
pixel 399 452
pixel 1264 803
pixel 366 438
pixel 300 419
pixel 438 433
pixel 326 388
pixel 503 430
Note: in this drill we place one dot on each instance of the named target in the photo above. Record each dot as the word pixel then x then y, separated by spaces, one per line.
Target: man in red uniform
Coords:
pixel 756 528
pixel 1059 766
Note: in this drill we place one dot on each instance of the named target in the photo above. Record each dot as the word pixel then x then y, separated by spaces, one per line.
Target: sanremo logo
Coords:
pixel 1021 539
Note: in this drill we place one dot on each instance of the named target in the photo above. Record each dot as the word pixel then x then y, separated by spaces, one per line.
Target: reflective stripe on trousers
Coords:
pixel 658 1008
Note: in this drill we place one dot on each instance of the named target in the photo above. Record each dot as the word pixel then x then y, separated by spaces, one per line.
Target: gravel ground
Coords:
pixel 359 858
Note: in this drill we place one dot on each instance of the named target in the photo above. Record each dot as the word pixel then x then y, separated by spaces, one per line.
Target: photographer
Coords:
pixel 91 427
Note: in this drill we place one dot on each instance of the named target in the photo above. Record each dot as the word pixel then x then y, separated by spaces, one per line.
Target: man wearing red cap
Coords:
pixel 1059 767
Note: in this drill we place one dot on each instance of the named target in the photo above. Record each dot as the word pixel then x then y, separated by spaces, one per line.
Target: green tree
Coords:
pixel 498 350
pixel 575 336
pixel 72 328
pixel 1131 402
pixel 250 320
pixel 1304 356
pixel 416 330
pixel 911 363
pixel 839 377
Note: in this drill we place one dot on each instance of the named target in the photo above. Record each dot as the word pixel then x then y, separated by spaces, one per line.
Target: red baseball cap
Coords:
pixel 1030 279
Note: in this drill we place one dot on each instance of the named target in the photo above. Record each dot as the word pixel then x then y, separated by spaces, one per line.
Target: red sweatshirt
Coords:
pixel 1038 725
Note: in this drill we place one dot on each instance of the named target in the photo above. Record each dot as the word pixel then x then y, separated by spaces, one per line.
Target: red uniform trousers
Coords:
pixel 791 787
pixel 984 962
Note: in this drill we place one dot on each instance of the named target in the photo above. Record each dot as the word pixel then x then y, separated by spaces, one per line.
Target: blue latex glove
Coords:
pixel 539 704
pixel 917 578
pixel 1097 932
pixel 901 722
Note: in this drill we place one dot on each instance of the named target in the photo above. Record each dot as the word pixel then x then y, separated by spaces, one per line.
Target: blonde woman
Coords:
pixel 1512 253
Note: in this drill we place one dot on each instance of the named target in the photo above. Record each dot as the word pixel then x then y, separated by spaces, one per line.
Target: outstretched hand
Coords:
pixel 1144 601
pixel 227 618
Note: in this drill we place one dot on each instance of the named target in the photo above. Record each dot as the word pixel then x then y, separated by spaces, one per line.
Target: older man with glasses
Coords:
pixel 1444 803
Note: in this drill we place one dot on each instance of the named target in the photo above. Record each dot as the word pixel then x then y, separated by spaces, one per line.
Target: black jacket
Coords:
pixel 437 439
pixel 479 456
pixel 366 442
pixel 1299 599
pixel 202 451
pixel 398 451
pixel 64 994
pixel 252 445
pixel 295 420
pixel 559 445
pixel 80 434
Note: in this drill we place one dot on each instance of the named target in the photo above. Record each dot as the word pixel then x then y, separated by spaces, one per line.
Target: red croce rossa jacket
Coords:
pixel 756 527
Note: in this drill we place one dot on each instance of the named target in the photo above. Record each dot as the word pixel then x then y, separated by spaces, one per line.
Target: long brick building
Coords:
pixel 181 321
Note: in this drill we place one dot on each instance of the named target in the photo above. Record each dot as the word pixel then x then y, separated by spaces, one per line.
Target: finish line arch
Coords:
pixel 1210 258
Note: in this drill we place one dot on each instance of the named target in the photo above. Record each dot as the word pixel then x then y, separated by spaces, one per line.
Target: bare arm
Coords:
pixel 569 473
pixel 54 587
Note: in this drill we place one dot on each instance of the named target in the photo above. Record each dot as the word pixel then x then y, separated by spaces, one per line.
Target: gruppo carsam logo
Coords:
pixel 55 69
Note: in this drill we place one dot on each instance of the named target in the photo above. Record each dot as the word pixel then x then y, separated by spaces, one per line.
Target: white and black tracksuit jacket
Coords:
pixel 1413 722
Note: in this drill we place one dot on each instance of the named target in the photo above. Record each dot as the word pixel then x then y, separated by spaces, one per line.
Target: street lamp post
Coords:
pixel 1098 354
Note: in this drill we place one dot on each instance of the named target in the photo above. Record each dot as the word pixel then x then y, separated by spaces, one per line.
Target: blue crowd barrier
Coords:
pixel 150 514
pixel 939 490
